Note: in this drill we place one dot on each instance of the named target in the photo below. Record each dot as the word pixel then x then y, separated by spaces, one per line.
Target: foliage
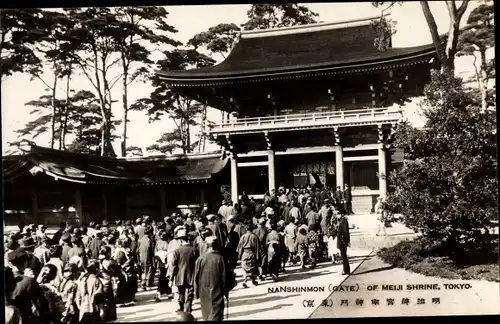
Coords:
pixel 218 39
pixel 447 188
pixel 446 51
pixel 134 151
pixel 264 16
pixel 131 35
pixel 164 100
pixel 421 256
pixel 20 30
pixel 475 39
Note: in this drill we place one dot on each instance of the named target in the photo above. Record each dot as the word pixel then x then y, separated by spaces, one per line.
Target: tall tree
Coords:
pixel 183 111
pixel 446 51
pixel 19 31
pixel 131 36
pixel 475 39
pixel 264 16
pixel 218 39
pixel 92 35
pixel 52 55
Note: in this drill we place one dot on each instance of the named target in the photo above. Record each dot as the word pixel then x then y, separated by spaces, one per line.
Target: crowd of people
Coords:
pixel 84 272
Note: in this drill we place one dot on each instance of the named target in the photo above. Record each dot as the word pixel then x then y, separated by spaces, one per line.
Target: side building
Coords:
pixel 49 186
pixel 310 105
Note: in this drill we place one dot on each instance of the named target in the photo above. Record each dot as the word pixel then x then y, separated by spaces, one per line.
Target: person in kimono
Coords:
pixel 261 233
pixel 89 287
pixel 291 240
pixel 312 242
pixel 212 281
pixel 127 281
pixel 302 246
pixel 68 289
pixel 275 246
pixel 249 252
pixel 161 249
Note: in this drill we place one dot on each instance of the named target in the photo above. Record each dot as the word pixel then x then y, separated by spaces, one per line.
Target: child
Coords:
pixel 312 242
pixel 301 246
pixel 67 289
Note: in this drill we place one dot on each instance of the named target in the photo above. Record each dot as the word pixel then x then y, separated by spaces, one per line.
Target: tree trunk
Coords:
pixel 201 146
pixel 125 112
pixel 484 81
pixel 66 111
pixel 54 112
pixel 434 33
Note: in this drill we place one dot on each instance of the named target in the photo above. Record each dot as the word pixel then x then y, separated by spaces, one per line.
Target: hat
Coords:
pixel 181 233
pixel 231 217
pixel 210 216
pixel 17 256
pixel 262 221
pixel 28 242
pixel 138 220
pixel 12 245
pixel 42 226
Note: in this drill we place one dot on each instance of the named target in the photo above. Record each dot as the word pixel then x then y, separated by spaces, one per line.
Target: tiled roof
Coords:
pixel 300 50
pixel 96 169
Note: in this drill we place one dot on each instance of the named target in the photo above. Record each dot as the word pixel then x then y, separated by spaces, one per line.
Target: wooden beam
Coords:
pixel 252 164
pixel 361 158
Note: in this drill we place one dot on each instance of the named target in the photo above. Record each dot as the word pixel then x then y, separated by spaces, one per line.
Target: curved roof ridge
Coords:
pixel 256 33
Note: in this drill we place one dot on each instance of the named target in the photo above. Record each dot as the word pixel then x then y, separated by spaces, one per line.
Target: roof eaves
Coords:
pixel 311 69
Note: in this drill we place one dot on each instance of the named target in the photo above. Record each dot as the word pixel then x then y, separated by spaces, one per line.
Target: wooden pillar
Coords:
pixel 163 207
pixel 34 207
pixel 271 170
pixel 78 207
pixel 382 170
pixel 105 203
pixel 339 166
pixel 234 178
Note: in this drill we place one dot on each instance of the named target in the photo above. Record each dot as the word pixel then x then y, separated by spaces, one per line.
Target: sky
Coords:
pixel 189 20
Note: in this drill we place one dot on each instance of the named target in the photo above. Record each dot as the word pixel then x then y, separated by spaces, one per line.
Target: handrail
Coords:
pixel 342 114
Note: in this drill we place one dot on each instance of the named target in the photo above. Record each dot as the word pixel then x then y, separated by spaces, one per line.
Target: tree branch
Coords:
pixel 462 8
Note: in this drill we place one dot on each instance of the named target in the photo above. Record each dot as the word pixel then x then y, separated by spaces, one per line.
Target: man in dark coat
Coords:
pixel 343 241
pixel 95 245
pixel 33 263
pixel 27 292
pixel 182 271
pixel 212 281
pixel 347 200
pixel 339 197
pixel 57 235
pixel 146 258
pixel 285 213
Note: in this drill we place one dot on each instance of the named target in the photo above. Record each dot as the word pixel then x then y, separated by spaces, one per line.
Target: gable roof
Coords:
pixel 83 168
pixel 324 47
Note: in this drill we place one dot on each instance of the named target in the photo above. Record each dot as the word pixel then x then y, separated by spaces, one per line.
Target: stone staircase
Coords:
pixel 362 204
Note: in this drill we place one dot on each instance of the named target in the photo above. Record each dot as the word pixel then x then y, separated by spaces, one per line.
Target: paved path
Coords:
pixel 469 297
pixel 255 302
